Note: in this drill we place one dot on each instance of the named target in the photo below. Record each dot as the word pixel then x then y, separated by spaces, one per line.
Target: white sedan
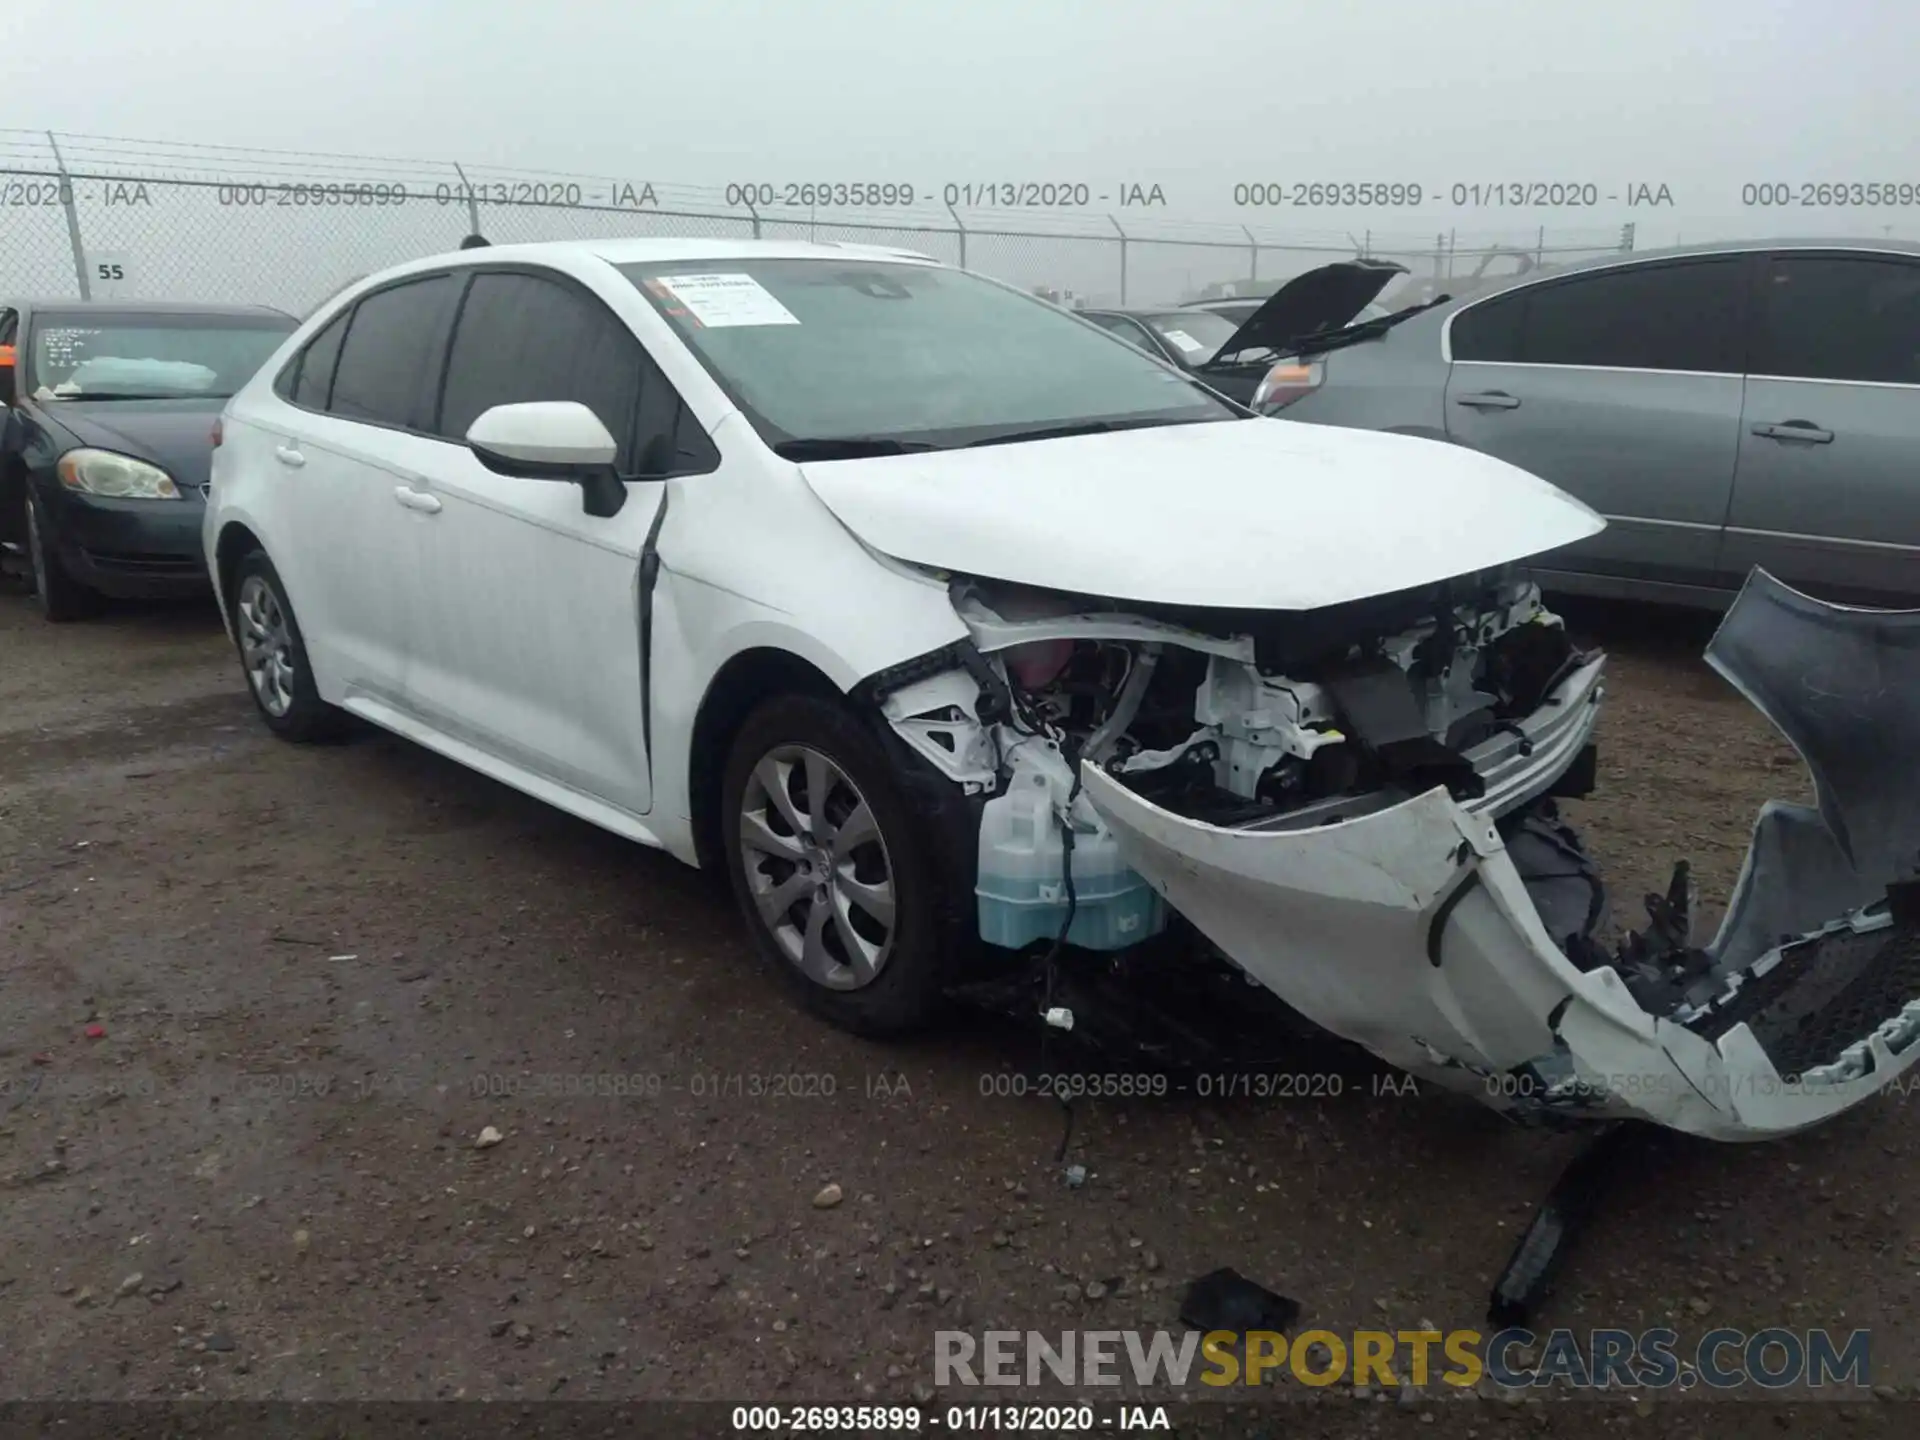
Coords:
pixel 955 628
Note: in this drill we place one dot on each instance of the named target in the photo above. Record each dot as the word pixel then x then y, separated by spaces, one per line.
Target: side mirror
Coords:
pixel 552 440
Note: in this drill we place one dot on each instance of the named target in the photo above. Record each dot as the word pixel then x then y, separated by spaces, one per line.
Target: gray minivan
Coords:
pixel 1724 406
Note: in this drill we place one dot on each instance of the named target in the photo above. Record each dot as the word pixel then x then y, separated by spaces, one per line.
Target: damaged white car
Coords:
pixel 966 637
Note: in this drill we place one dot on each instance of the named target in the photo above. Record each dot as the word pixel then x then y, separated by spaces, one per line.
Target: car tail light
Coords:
pixel 217 432
pixel 1287 382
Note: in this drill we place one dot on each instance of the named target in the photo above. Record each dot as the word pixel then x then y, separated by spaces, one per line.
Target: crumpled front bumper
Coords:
pixel 1409 930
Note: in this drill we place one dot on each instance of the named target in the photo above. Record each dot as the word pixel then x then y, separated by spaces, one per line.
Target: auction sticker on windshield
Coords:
pixel 1185 341
pixel 718 300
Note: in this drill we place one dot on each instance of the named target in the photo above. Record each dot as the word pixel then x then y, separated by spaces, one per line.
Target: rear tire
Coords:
pixel 273 656
pixel 61 598
pixel 838 879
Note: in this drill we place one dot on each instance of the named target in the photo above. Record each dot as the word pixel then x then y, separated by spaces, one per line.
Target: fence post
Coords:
pixel 1453 244
pixel 752 210
pixel 473 205
pixel 1626 236
pixel 1540 248
pixel 73 220
pixel 1254 246
pixel 1123 257
pixel 960 228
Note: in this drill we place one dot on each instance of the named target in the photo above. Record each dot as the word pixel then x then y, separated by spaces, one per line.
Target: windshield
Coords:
pixel 1237 311
pixel 136 357
pixel 845 350
pixel 1196 335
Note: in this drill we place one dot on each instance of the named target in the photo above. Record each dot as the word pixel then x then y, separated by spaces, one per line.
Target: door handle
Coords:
pixel 1488 400
pixel 416 500
pixel 289 455
pixel 1805 431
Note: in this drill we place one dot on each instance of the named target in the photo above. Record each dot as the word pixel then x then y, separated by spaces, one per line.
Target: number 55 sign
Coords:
pixel 109 275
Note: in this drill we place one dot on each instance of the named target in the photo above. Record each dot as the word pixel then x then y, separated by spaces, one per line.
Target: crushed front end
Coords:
pixel 1355 806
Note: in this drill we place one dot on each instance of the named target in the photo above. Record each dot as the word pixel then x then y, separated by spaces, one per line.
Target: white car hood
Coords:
pixel 1259 514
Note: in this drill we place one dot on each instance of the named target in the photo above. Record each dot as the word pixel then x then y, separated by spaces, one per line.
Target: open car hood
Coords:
pixel 1408 929
pixel 1323 299
pixel 1253 514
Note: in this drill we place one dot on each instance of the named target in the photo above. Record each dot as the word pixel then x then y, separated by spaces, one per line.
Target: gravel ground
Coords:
pixel 259 1002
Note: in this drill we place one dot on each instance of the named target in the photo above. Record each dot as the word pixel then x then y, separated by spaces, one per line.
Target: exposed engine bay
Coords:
pixel 1355 808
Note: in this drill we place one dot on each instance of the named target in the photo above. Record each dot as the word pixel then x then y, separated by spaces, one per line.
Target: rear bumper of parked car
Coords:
pixel 132 549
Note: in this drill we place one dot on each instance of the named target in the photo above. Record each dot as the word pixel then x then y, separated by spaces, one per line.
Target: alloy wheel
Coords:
pixel 266 645
pixel 817 867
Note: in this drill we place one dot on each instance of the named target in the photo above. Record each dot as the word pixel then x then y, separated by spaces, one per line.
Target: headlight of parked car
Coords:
pixel 1286 383
pixel 119 477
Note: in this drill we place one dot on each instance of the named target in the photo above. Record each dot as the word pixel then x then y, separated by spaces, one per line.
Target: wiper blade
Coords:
pixel 848 447
pixel 1084 427
pixel 131 395
pixel 1365 330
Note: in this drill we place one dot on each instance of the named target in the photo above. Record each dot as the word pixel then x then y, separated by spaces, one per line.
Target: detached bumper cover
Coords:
pixel 1409 930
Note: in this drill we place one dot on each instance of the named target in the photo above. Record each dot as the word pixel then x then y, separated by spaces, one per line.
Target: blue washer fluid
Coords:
pixel 1022 893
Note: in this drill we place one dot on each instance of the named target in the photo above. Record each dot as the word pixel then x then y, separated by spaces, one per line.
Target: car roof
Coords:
pixel 563 254
pixel 641 251
pixel 1615 258
pixel 143 308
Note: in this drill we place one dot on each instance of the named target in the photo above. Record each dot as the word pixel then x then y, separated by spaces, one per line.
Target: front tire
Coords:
pixel 60 597
pixel 274 656
pixel 839 882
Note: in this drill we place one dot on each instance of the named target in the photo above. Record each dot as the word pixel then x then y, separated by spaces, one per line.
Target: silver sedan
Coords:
pixel 1752 403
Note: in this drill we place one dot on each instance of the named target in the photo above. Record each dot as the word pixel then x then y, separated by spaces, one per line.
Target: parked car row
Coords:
pixel 1726 406
pixel 1723 406
pixel 965 637
pixel 105 440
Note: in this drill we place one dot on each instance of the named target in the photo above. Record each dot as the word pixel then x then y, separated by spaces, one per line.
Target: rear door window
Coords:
pixel 1679 315
pixel 308 381
pixel 389 366
pixel 1840 317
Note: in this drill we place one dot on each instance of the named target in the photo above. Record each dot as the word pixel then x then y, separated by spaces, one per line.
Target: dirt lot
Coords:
pixel 318 974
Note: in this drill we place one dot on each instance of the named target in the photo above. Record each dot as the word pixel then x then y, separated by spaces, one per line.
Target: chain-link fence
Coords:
pixel 99 218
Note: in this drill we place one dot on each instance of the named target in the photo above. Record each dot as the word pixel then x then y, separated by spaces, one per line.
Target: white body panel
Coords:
pixel 494 620
pixel 1343 922
pixel 503 627
pixel 1263 515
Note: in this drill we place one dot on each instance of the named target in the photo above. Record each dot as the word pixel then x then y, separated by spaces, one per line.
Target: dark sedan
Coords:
pixel 106 439
pixel 1235 349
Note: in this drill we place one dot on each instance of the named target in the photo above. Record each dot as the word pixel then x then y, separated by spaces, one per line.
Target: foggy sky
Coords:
pixel 1192 95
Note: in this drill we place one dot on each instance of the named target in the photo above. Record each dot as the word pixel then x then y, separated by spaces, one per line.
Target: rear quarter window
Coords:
pixel 307 379
pixel 390 361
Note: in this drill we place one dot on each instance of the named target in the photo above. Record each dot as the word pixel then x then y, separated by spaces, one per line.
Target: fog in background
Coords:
pixel 1192 96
